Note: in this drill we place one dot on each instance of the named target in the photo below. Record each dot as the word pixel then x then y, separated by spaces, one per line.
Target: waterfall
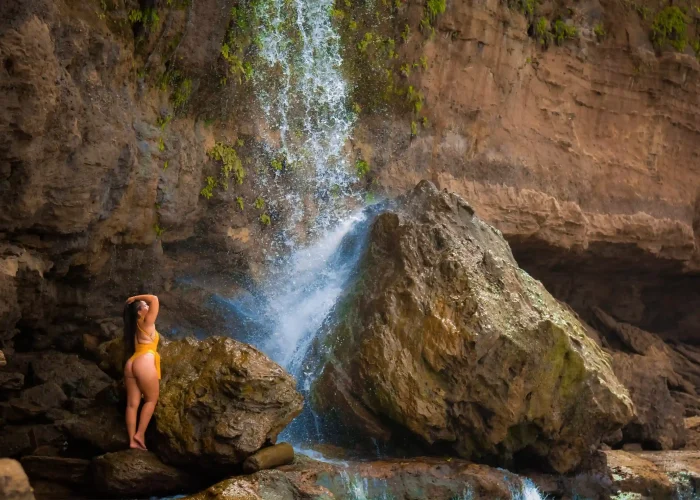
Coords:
pixel 303 97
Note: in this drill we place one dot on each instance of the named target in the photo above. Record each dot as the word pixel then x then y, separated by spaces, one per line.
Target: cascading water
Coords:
pixel 304 100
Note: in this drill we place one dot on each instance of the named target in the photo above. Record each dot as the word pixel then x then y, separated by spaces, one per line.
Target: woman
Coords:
pixel 142 369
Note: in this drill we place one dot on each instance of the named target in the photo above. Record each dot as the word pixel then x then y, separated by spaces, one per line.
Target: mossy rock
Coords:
pixel 444 336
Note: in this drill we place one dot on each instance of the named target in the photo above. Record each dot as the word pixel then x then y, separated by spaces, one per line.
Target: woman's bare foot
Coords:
pixel 140 442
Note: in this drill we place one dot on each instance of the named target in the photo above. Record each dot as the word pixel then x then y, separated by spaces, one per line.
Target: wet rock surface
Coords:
pixel 220 401
pixel 443 336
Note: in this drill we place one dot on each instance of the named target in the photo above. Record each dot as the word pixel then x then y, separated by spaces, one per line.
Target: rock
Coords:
pixel 269 458
pixel 658 420
pixel 101 428
pixel 11 381
pixel 21 440
pixel 76 376
pixel 14 484
pixel 692 427
pixel 665 474
pixel 418 478
pixel 3 361
pixel 57 469
pixel 137 473
pixel 442 335
pixel 647 373
pixel 34 402
pixel 220 402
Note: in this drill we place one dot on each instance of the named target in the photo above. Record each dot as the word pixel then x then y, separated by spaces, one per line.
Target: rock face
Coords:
pixel 220 401
pixel 420 478
pixel 14 484
pixel 444 336
pixel 137 473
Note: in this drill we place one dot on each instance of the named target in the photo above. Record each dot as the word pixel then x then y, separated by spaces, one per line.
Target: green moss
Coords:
pixel 148 18
pixel 164 121
pixel 541 30
pixel 670 26
pixel 240 202
pixel 159 230
pixel 563 32
pixel 259 203
pixel 182 90
pixel 165 165
pixel 599 31
pixel 230 163
pixel 414 128
pixel 161 144
pixel 265 219
pixel 208 190
pixel 406 33
pixel 361 168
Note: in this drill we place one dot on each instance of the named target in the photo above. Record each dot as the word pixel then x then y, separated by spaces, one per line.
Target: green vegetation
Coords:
pixel 259 203
pixel 161 144
pixel 230 163
pixel 239 200
pixel 265 219
pixel 542 34
pixel 159 230
pixel 361 168
pixel 181 93
pixel 433 8
pixel 406 33
pixel 164 121
pixel 670 26
pixel 414 128
pixel 148 18
pixel 165 165
pixel 425 122
pixel 599 31
pixel 563 32
pixel 208 190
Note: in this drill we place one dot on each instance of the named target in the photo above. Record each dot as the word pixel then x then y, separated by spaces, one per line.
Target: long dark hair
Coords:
pixel 130 315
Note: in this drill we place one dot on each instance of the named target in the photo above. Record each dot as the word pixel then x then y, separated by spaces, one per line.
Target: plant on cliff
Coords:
pixel 148 18
pixel 361 168
pixel 670 26
pixel 230 163
pixel 208 190
pixel 265 219
pixel 541 31
pixel 240 202
pixel 599 31
pixel 259 203
pixel 563 31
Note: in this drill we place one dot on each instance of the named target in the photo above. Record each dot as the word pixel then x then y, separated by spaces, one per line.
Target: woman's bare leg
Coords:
pixel 144 369
pixel 133 399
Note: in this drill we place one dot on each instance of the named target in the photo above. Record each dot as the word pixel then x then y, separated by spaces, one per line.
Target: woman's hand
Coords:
pixel 130 300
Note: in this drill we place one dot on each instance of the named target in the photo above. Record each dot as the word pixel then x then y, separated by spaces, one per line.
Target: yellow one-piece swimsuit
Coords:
pixel 151 347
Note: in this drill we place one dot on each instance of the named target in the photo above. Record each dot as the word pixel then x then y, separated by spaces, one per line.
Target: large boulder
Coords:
pixel 441 334
pixel 220 401
pixel 136 473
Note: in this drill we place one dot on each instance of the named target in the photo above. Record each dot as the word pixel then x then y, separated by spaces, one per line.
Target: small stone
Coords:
pixel 14 484
pixel 268 458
